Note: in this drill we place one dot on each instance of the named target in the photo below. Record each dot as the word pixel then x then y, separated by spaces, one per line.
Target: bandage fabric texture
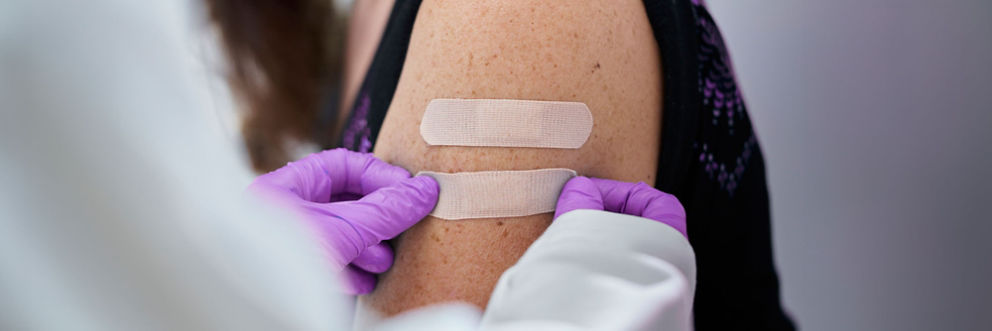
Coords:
pixel 494 194
pixel 506 123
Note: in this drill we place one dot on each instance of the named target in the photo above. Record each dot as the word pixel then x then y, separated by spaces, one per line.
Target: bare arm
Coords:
pixel 599 52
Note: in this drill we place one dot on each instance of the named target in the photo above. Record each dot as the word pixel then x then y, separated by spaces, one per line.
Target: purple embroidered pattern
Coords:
pixel 726 176
pixel 358 127
pixel 726 141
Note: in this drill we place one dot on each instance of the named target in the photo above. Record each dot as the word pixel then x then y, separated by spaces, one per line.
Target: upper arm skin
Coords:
pixel 600 52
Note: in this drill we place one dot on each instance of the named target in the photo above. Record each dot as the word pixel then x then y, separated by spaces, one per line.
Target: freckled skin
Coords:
pixel 599 52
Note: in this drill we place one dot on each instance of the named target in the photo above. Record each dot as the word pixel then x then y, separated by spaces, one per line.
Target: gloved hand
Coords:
pixel 620 197
pixel 323 187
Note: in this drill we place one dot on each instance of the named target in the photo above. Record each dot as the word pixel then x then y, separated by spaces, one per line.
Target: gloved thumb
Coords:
pixel 579 193
pixel 385 213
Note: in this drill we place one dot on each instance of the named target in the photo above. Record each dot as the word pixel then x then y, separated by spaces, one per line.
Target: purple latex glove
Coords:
pixel 621 197
pixel 323 187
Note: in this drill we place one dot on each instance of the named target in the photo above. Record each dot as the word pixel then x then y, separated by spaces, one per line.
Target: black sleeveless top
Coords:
pixel 710 158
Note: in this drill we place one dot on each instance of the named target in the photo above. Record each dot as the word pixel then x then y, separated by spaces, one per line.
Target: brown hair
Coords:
pixel 283 59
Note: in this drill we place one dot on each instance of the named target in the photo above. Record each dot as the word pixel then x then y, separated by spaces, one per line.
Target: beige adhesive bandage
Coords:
pixel 492 194
pixel 506 123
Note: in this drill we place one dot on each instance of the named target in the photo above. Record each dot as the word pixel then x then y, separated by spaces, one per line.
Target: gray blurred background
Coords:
pixel 876 122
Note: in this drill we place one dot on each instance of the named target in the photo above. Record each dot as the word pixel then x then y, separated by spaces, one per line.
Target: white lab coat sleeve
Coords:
pixel 596 270
pixel 120 203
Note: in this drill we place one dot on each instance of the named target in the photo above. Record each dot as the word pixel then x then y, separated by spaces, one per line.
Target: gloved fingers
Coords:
pixel 359 173
pixel 331 175
pixel 356 281
pixel 666 208
pixel 295 180
pixel 578 193
pixel 615 195
pixel 376 259
pixel 640 199
pixel 385 213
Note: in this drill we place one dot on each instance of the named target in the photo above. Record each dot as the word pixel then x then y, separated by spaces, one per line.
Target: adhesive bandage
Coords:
pixel 506 123
pixel 492 194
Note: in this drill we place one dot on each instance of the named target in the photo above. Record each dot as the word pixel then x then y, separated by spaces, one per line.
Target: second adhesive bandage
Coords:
pixel 506 123
pixel 492 194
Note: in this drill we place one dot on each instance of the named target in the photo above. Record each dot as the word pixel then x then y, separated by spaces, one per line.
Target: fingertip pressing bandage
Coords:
pixel 506 123
pixel 493 194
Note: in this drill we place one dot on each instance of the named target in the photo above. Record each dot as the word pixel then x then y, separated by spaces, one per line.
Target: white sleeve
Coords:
pixel 119 198
pixel 598 270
